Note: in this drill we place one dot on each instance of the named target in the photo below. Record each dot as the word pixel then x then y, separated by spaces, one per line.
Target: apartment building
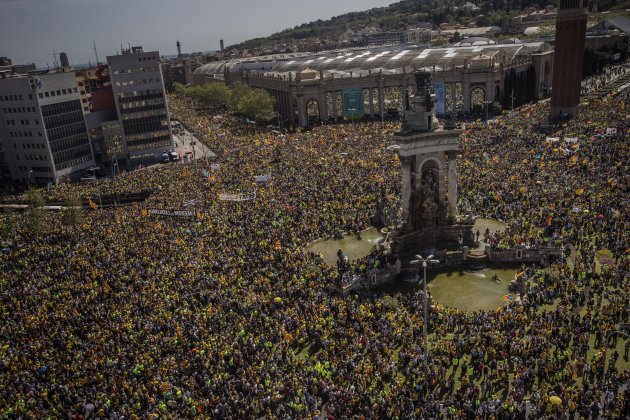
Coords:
pixel 42 128
pixel 138 86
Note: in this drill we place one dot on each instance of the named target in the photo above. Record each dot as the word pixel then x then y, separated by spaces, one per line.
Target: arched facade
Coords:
pixel 456 72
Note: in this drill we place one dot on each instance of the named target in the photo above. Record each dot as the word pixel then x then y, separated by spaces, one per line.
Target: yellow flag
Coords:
pixel 144 212
pixel 579 191
pixel 91 203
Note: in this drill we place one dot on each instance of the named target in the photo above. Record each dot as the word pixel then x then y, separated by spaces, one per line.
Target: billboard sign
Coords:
pixel 353 103
pixel 440 96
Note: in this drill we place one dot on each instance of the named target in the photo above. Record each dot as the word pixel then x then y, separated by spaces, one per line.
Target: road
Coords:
pixel 186 142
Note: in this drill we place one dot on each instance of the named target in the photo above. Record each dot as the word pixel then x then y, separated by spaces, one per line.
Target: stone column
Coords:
pixel 466 93
pixel 489 91
pixel 452 186
pixel 381 99
pixel 334 104
pixel 406 162
pixel 302 118
pixel 323 106
pixel 371 100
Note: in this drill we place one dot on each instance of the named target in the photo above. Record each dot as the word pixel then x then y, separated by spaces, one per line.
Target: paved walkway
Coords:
pixel 186 144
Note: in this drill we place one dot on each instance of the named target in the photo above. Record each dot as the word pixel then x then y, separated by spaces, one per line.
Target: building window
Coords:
pixel 40 95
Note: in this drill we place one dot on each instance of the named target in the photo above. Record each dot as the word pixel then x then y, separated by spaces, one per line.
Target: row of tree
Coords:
pixel 72 215
pixel 255 104
pixel 522 85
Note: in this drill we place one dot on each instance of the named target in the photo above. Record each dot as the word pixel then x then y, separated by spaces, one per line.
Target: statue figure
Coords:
pixel 423 82
pixel 428 205
pixel 429 210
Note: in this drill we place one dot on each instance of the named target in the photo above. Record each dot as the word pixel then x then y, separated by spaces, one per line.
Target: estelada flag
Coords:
pixel 91 203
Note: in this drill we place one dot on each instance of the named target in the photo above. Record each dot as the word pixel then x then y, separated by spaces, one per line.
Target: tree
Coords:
pixel 239 91
pixel 179 88
pixel 36 213
pixel 72 214
pixel 257 105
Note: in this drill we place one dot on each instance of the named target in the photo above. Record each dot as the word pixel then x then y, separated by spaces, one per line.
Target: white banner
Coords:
pixel 173 213
pixel 236 197
pixel 262 178
pixel 570 139
pixel 611 131
pixel 552 139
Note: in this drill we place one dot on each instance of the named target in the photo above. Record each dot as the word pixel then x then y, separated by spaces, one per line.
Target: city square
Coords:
pixel 183 256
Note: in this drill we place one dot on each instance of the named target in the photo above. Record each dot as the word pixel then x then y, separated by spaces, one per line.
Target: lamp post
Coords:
pixel 28 183
pixel 424 261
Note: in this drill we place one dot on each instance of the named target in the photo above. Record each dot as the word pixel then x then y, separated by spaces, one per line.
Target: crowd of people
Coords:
pixel 132 315
pixel 608 74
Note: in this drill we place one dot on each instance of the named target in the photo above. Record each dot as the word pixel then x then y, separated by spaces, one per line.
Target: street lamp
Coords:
pixel 424 261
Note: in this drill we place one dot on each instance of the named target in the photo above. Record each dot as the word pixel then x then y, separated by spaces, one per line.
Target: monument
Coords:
pixel 568 57
pixel 428 155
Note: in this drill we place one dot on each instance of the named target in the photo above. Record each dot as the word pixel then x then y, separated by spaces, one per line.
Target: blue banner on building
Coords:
pixel 440 96
pixel 353 103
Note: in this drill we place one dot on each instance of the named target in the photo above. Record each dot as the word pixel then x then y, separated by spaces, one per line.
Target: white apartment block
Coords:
pixel 42 128
pixel 136 79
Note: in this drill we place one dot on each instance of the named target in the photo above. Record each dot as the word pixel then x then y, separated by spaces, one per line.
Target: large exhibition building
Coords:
pixel 467 77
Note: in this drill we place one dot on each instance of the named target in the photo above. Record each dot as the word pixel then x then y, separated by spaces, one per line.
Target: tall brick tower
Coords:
pixel 568 56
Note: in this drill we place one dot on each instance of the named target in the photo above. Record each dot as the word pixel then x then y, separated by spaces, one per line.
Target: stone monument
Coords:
pixel 428 155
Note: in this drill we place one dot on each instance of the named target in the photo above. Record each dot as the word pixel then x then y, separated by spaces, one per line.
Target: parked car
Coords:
pixel 166 157
pixel 173 156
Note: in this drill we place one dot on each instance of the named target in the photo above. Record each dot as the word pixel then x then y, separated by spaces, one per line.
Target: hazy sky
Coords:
pixel 31 29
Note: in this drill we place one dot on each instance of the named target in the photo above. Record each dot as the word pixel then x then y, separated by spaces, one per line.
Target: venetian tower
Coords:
pixel 568 57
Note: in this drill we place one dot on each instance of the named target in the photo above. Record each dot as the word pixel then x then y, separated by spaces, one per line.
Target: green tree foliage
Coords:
pixel 257 105
pixel 36 214
pixel 73 213
pixel 215 96
pixel 239 91
pixel 179 88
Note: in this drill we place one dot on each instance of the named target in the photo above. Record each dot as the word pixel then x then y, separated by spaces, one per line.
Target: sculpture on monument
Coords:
pixel 428 156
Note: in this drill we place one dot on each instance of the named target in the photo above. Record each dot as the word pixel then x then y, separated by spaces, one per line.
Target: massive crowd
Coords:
pixel 130 315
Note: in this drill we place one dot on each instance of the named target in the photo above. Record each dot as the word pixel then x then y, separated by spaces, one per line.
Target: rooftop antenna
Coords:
pixel 96 53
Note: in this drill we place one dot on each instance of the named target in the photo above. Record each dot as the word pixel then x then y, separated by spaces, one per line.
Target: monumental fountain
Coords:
pixel 428 156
